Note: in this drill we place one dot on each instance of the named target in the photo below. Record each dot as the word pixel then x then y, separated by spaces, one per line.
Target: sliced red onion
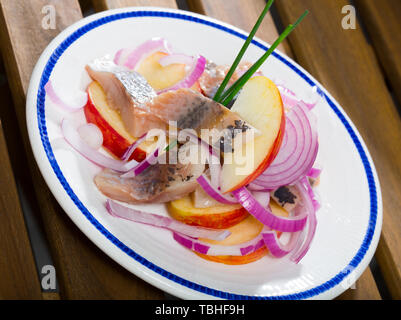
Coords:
pixel 262 197
pixel 266 216
pixel 91 134
pixel 123 212
pixel 197 69
pixel 254 187
pixel 176 58
pixel 131 57
pixel 213 192
pixel 118 57
pixel 297 153
pixel 214 165
pixel 290 99
pixel 202 247
pixel 151 158
pixel 307 207
pixel 132 148
pixel 213 160
pixel 311 193
pixel 72 136
pixel 55 98
pixel 143 165
pixel 276 248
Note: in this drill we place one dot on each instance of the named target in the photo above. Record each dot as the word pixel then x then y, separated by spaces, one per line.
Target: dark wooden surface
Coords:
pixel 385 33
pixel 19 278
pixel 101 5
pixel 242 14
pixel 347 65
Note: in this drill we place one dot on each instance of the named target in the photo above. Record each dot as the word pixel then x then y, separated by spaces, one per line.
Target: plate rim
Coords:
pixel 57 182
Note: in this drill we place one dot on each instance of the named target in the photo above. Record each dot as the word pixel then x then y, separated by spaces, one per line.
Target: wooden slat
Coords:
pixel 101 5
pixel 242 14
pixel 83 271
pixel 19 278
pixel 382 21
pixel 346 65
pixel 23 180
pixel 365 289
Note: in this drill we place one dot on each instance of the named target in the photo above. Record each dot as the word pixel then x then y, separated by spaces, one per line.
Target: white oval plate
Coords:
pixel 349 222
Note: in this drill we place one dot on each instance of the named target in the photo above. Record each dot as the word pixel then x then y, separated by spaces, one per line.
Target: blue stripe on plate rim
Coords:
pixel 57 53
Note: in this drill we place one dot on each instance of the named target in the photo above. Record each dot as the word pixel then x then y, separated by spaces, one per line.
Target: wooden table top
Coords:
pixel 361 67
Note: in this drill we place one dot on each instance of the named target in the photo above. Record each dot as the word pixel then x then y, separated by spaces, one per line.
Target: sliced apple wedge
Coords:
pixel 259 104
pixel 116 138
pixel 242 232
pixel 218 217
pixel 160 77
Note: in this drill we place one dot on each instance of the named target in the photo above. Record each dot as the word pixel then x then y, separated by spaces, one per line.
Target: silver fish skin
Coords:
pixel 128 92
pixel 134 83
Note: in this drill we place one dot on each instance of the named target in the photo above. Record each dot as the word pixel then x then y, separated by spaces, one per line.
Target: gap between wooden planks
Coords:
pixel 31 225
pixel 19 279
pixel 382 21
pixel 242 14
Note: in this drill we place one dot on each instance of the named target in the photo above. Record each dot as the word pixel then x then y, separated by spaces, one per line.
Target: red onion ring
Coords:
pixel 311 193
pixel 298 154
pixel 131 57
pixel 143 165
pixel 55 98
pixel 151 158
pixel 118 57
pixel 213 159
pixel 266 216
pixel 197 69
pixel 119 211
pixel 202 247
pixel 276 248
pixel 262 197
pixel 206 185
pixel 290 99
pixel 73 138
pixel 308 207
pixel 91 134
pixel 132 148
pixel 254 187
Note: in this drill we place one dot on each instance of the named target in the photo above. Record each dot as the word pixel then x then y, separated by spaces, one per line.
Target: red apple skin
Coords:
pixel 112 140
pixel 269 158
pixel 215 221
pixel 213 217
